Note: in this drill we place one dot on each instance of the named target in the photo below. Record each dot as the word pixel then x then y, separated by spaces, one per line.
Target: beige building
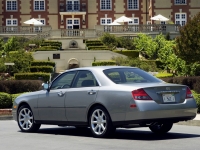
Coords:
pixel 74 21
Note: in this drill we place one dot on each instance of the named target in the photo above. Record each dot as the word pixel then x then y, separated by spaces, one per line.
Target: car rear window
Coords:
pixel 130 75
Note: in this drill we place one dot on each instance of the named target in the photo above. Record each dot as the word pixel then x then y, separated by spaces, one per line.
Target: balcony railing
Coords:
pixel 24 29
pixel 138 28
pixel 73 7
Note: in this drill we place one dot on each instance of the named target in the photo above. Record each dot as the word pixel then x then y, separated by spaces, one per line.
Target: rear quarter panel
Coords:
pixel 116 100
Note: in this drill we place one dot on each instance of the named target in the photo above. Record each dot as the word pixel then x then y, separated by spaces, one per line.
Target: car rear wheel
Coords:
pixel 160 128
pixel 100 123
pixel 25 119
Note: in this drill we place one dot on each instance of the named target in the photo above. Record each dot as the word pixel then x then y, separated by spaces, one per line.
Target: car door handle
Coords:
pixel 92 92
pixel 61 94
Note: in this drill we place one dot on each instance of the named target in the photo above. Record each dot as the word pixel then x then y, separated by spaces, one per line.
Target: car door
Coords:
pixel 51 104
pixel 82 94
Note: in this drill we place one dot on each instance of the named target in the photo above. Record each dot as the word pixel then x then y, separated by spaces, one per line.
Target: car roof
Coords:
pixel 100 68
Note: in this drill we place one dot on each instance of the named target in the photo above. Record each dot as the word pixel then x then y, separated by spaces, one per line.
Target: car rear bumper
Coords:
pixel 148 117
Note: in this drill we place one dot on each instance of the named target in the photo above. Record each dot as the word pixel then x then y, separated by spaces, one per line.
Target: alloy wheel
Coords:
pixel 98 122
pixel 25 119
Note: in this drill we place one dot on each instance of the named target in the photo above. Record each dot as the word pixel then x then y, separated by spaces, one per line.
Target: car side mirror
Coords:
pixel 45 86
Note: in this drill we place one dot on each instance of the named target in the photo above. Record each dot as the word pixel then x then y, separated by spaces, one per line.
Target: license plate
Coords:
pixel 168 98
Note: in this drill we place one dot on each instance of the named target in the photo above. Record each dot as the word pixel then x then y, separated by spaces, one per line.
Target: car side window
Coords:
pixel 85 79
pixel 114 76
pixel 63 81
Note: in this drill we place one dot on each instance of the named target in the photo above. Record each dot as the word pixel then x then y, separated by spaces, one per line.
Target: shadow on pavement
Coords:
pixel 119 134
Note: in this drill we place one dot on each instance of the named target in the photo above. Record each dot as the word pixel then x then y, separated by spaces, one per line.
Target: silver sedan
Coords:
pixel 106 98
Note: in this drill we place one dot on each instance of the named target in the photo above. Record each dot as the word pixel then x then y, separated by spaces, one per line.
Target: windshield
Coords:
pixel 130 75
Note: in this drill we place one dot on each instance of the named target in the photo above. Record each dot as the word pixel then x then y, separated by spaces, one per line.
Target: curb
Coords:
pixel 6 117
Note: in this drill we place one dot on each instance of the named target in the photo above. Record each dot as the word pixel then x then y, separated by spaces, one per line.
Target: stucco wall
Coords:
pixel 92 6
pixel 25 7
pixel 193 12
pixel 24 18
pixel 162 4
pixel 92 21
pixel 85 58
pixel 119 6
pixel 165 12
pixel 53 6
pixel 53 21
pixel 194 3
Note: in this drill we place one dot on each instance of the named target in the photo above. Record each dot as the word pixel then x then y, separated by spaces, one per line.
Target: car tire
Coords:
pixel 161 128
pixel 100 123
pixel 25 119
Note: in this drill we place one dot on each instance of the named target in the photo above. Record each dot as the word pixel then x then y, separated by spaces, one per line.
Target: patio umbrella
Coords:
pixel 123 19
pixel 114 23
pixel 33 22
pixel 159 18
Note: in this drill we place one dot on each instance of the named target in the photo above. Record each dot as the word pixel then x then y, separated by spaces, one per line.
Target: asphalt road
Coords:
pixel 181 137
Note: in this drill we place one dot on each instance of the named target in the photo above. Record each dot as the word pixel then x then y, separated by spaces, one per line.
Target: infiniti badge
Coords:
pixel 167 88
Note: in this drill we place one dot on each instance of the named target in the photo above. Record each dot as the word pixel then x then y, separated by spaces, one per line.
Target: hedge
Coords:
pixel 129 53
pixel 33 76
pixel 47 69
pixel 51 43
pixel 94 44
pixel 158 63
pixel 98 48
pixel 192 82
pixel 93 41
pixel 197 98
pixel 43 63
pixel 20 86
pixel 50 47
pixel 5 100
pixel 164 75
pixel 104 63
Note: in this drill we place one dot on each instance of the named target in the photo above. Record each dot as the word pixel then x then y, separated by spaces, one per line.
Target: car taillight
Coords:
pixel 189 93
pixel 140 94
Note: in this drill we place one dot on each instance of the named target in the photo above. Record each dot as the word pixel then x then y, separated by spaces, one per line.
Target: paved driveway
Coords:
pixel 68 138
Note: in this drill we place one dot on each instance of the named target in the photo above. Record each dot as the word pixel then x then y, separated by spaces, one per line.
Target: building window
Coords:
pixel 180 18
pixel 178 2
pixel 135 24
pixel 39 5
pixel 133 4
pixel 11 22
pixel 105 21
pixel 11 5
pixel 106 4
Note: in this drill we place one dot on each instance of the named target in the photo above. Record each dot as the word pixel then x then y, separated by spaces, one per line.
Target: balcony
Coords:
pixel 72 7
pixel 13 30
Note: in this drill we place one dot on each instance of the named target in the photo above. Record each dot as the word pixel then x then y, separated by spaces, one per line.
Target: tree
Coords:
pixel 126 43
pixel 12 45
pixel 109 40
pixel 145 44
pixel 188 43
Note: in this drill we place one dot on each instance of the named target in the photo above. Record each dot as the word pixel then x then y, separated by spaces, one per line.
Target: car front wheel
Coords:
pixel 160 128
pixel 25 120
pixel 100 123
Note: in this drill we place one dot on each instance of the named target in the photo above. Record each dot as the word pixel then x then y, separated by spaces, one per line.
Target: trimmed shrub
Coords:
pixel 197 98
pixel 51 43
pixel 98 48
pixel 158 63
pixel 20 86
pixel 192 82
pixel 47 69
pixel 5 100
pixel 33 76
pixel 129 53
pixel 45 49
pixel 43 63
pixel 14 96
pixel 164 75
pixel 104 63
